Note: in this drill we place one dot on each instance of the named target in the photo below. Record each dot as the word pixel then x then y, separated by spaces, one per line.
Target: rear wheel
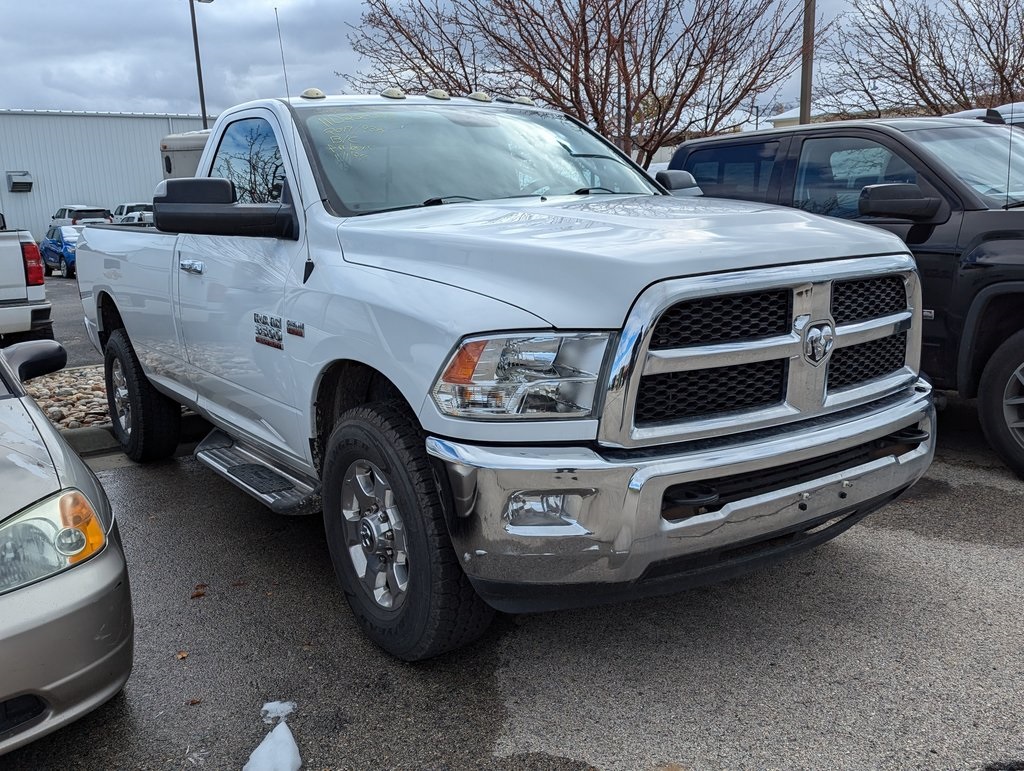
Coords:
pixel 1001 402
pixel 388 539
pixel 146 423
pixel 47 268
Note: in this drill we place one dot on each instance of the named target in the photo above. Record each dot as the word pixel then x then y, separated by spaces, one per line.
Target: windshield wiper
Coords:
pixel 447 199
pixel 1013 205
pixel 589 190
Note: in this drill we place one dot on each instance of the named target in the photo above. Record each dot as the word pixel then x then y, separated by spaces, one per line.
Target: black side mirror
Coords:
pixel 35 358
pixel 678 182
pixel 209 206
pixel 897 200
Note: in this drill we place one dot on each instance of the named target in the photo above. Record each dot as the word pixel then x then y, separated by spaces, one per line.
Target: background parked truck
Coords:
pixel 511 370
pixel 953 189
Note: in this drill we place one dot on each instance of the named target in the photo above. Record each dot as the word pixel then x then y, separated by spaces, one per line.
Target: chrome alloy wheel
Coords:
pixel 1013 404
pixel 375 534
pixel 122 404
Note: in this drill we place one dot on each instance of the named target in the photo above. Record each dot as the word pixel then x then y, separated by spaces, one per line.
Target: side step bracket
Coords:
pixel 282 490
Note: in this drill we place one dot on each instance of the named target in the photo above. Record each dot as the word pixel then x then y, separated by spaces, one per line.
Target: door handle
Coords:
pixel 192 266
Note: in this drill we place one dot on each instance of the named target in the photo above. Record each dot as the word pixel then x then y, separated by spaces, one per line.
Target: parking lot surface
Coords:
pixel 68 327
pixel 897 646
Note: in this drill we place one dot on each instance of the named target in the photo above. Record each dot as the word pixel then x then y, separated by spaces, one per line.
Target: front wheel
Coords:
pixel 1001 402
pixel 388 539
pixel 146 423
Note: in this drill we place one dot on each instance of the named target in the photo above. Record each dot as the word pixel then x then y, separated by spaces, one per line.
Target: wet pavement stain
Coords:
pixel 964 513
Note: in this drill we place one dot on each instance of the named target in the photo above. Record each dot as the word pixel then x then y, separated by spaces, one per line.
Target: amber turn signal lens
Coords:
pixel 76 512
pixel 464 364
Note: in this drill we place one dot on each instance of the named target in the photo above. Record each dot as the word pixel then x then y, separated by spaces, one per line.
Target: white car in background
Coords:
pixel 79 214
pixel 123 211
pixel 137 218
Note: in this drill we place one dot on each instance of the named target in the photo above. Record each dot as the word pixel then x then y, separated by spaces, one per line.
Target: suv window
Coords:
pixel 249 156
pixel 734 171
pixel 833 170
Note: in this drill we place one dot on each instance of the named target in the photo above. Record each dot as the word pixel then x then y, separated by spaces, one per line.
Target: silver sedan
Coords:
pixel 66 625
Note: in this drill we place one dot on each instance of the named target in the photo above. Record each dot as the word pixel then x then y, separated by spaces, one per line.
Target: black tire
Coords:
pixel 438 611
pixel 64 269
pixel 47 270
pixel 146 423
pixel 1003 380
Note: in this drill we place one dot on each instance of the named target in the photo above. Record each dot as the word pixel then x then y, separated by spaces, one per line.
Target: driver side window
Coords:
pixel 833 170
pixel 250 157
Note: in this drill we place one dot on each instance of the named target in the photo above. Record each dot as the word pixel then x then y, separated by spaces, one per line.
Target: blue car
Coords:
pixel 58 250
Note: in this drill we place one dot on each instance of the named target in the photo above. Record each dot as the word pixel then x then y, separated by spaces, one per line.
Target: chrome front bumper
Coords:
pixel 611 536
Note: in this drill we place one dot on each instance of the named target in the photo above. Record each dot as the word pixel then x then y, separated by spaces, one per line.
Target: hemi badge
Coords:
pixel 296 328
pixel 927 314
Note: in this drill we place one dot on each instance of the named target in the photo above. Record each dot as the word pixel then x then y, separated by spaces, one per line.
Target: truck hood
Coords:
pixel 581 262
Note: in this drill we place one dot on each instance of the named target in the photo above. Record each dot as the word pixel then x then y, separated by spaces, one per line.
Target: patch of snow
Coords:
pixel 277 752
pixel 277 710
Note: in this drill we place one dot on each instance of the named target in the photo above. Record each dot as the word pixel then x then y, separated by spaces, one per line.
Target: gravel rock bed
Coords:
pixel 72 398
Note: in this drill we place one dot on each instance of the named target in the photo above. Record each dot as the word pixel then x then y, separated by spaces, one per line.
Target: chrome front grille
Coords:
pixel 683 395
pixel 868 298
pixel 866 361
pixel 741 351
pixel 722 319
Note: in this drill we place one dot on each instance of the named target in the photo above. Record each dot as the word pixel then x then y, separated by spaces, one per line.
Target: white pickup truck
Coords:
pixel 511 370
pixel 24 309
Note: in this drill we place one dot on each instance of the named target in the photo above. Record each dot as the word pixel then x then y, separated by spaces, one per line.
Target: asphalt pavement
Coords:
pixel 68 325
pixel 896 646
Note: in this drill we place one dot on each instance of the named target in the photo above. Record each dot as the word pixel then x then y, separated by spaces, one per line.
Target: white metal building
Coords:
pixel 49 159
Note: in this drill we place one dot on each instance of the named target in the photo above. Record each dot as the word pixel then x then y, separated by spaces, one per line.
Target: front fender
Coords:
pixel 406 328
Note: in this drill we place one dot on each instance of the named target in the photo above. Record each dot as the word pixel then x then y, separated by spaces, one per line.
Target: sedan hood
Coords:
pixel 581 262
pixel 27 473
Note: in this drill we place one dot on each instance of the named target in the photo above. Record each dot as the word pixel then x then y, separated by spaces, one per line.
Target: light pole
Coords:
pixel 199 65
pixel 807 62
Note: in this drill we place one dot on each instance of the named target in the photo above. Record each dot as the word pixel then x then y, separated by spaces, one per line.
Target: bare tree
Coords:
pixel 255 168
pixel 645 73
pixel 923 57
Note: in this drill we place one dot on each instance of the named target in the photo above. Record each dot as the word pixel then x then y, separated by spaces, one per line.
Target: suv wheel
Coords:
pixel 389 541
pixel 1001 402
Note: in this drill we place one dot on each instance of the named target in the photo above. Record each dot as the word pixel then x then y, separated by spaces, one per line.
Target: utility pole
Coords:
pixel 199 65
pixel 807 62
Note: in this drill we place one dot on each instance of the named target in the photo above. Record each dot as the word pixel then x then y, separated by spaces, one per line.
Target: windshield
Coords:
pixel 376 158
pixel 69 233
pixel 138 207
pixel 983 156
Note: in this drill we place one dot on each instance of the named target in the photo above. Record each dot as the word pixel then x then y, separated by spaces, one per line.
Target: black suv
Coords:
pixel 953 190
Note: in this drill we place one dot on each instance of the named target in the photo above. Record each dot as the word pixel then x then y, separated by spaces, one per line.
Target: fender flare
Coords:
pixel 964 382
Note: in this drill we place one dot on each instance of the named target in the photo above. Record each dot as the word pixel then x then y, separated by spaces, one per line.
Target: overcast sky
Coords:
pixel 137 55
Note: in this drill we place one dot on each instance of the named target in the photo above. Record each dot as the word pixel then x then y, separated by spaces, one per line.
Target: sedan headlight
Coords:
pixel 532 376
pixel 47 538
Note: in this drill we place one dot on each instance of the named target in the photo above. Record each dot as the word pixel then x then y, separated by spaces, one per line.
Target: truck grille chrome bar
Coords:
pixel 734 352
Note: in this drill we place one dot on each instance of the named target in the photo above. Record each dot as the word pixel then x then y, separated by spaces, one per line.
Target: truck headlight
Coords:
pixel 538 376
pixel 47 538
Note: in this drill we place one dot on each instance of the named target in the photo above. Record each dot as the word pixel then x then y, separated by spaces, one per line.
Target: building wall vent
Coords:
pixel 19 182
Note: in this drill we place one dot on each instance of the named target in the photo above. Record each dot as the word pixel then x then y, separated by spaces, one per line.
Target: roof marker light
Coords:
pixel 313 93
pixel 393 93
pixel 479 96
pixel 438 93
